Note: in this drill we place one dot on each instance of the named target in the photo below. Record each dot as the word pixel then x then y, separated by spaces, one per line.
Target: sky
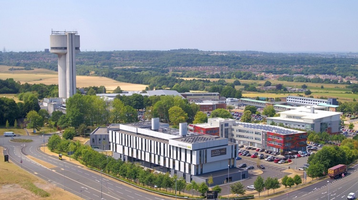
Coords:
pixel 220 25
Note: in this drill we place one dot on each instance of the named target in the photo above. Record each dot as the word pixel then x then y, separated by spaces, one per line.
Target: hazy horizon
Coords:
pixel 264 26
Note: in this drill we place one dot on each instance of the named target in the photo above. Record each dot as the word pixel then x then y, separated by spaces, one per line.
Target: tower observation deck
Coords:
pixel 65 44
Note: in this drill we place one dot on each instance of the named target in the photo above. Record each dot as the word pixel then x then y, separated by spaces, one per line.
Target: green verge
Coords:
pixel 34 189
pixel 21 140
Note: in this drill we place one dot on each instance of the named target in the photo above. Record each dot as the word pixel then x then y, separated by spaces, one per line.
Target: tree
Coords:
pixel 351 126
pixel 181 184
pixel 203 188
pixel 69 133
pixel 297 179
pixel 252 109
pixel 237 188
pixel 290 182
pixel 284 180
pixel 91 91
pixel 117 90
pixel 63 122
pixel 177 115
pixel 220 112
pixel 304 86
pixel 56 116
pixel 237 82
pixel 217 189
pixel 34 120
pixel 192 186
pixel 7 124
pixel 15 124
pixel 275 184
pixel 269 183
pixel 267 83
pixel 44 114
pixel 259 184
pixel 308 92
pixel 269 111
pixel 246 117
pixel 81 129
pixel 53 142
pixel 200 117
pixel 210 180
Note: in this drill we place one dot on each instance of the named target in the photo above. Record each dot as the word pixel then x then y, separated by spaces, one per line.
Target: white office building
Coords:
pixel 307 118
pixel 310 101
pixel 188 156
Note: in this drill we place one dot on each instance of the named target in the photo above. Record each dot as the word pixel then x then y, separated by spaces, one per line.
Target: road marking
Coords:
pixel 35 172
pixel 138 194
pixel 87 191
pixel 62 169
pixel 130 196
pixel 110 184
pixel 96 195
pixel 127 190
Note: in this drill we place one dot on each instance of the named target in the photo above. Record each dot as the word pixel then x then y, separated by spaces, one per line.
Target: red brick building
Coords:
pixel 210 106
pixel 286 142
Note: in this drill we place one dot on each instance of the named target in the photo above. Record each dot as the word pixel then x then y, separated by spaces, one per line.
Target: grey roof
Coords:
pixel 100 131
pixel 198 138
pixel 163 92
pixel 269 128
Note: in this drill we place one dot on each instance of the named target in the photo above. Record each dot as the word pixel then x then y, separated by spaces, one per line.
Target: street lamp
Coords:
pixel 101 182
pixel 228 168
pixel 328 189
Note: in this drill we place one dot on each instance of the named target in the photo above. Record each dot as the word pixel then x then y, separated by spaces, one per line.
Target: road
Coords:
pixel 331 189
pixel 73 178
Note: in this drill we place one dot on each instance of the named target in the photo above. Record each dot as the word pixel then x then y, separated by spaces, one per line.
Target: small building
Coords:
pixel 99 138
pixel 208 106
pixel 205 129
pixel 295 100
pixel 308 118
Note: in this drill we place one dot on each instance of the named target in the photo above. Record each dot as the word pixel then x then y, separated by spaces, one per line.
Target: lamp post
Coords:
pixel 328 189
pixel 228 172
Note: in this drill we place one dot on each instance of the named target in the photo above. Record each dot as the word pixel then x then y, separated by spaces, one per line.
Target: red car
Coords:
pixel 289 160
pixel 257 149
pixel 254 156
pixel 276 160
pixel 298 155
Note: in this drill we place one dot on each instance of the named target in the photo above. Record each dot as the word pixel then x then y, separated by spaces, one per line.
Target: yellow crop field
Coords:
pixel 49 77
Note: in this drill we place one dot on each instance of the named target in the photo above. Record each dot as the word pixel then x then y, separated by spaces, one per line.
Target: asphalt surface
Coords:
pixel 331 189
pixel 73 178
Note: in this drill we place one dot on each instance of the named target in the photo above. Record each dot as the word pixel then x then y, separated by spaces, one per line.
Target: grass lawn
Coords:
pixel 11 96
pixel 17 183
pixel 17 131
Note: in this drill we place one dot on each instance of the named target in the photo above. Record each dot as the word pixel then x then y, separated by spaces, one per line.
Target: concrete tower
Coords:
pixel 65 44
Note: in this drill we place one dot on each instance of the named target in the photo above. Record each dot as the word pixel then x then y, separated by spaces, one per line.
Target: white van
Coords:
pixel 9 134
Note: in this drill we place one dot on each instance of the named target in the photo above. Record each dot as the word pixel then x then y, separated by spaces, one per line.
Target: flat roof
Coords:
pixel 269 128
pixel 306 113
pixel 100 131
pixel 307 98
pixel 254 100
pixel 198 138
pixel 206 125
pixel 328 105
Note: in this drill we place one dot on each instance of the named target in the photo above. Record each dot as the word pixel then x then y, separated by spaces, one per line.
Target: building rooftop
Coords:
pixel 254 100
pixel 307 113
pixel 100 131
pixel 198 138
pixel 328 105
pixel 205 125
pixel 163 92
pixel 268 128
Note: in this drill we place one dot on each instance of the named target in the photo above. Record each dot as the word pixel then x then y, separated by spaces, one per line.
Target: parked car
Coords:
pixel 302 168
pixel 249 167
pixel 276 160
pixel 254 156
pixel 262 150
pixel 257 149
pixel 281 161
pixel 238 158
pixel 251 187
pixel 242 165
pixel 260 166
pixel 289 160
pixel 262 156
pixel 248 154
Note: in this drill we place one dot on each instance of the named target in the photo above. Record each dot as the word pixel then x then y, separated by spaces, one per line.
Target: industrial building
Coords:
pixel 308 118
pixel 191 156
pixel 65 44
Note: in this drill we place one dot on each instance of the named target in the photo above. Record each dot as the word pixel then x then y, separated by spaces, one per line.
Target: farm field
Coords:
pixel 338 91
pixel 49 77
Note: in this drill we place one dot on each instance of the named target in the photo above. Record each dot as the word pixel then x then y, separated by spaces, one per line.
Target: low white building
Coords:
pixel 188 156
pixel 307 118
pixel 310 101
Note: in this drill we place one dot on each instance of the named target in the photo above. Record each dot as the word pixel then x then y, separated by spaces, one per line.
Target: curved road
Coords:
pixel 73 178
pixel 331 189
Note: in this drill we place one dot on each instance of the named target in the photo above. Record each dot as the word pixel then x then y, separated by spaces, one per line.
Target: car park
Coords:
pixel 251 187
pixel 242 165
pixel 276 160
pixel 262 156
pixel 262 150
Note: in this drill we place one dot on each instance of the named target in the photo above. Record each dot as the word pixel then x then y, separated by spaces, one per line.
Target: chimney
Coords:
pixel 312 109
pixel 155 124
pixel 183 129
